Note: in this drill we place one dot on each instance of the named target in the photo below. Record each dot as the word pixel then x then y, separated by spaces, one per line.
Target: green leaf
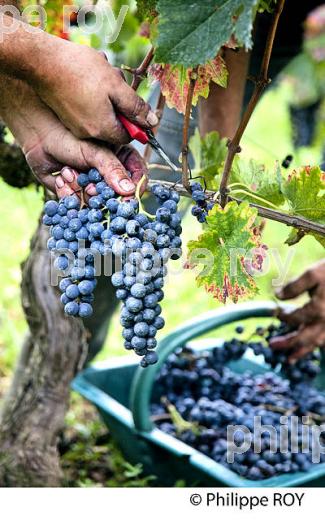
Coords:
pixel 259 180
pixel 230 252
pixel 146 9
pixel 192 34
pixel 266 5
pixel 209 153
pixel 304 190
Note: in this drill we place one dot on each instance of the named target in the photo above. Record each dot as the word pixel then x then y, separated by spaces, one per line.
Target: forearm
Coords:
pixel 22 49
pixel 222 109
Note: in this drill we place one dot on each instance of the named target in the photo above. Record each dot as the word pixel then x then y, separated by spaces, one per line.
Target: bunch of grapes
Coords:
pixel 202 205
pixel 110 226
pixel 140 282
pixel 211 396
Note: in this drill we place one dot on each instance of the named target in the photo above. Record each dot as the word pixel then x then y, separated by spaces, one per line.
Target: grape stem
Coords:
pixel 139 73
pixel 260 83
pixel 250 194
pixel 271 214
pixel 138 197
pixel 165 167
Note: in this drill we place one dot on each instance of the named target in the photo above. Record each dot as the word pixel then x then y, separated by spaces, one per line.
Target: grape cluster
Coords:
pixel 140 282
pixel 202 205
pixel 70 226
pixel 110 226
pixel 210 396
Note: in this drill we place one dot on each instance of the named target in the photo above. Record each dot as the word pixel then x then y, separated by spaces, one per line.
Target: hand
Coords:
pixel 66 182
pixel 310 318
pixel 49 146
pixel 86 92
pixel 77 82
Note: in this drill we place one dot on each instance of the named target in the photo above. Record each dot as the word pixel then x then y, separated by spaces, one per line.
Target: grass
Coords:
pixel 267 138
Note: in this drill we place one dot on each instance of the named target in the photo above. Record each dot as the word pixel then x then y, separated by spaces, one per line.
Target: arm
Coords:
pixel 222 109
pixel 310 318
pixel 75 81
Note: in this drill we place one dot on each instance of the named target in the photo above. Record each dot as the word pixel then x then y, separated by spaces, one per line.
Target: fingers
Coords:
pixel 308 339
pixel 109 167
pixel 287 342
pixel 135 164
pixel 305 282
pixel 112 129
pixel 83 155
pixel 66 183
pixel 301 342
pixel 305 314
pixel 126 101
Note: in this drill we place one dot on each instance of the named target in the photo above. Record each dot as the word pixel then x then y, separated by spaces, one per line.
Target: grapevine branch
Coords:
pixel 139 73
pixel 271 214
pixel 260 83
pixel 186 124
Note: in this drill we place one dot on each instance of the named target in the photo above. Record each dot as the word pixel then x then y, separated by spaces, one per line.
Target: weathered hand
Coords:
pixel 75 81
pixel 66 181
pixel 310 318
pixel 49 146
pixel 86 92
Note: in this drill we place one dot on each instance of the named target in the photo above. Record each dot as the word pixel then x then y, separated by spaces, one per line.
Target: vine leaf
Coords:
pixel 304 190
pixel 259 180
pixel 146 9
pixel 209 153
pixel 230 251
pixel 175 81
pixel 192 34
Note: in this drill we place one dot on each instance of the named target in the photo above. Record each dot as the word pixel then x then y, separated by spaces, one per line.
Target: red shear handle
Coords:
pixel 136 132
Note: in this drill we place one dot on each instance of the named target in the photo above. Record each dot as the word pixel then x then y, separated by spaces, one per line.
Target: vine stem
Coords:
pixel 140 72
pixel 271 214
pixel 260 83
pixel 186 124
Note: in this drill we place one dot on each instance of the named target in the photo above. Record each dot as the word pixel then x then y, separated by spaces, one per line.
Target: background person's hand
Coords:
pixel 309 319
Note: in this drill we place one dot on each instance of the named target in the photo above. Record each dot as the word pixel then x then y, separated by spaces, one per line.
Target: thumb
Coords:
pixel 307 281
pixel 127 102
pixel 83 155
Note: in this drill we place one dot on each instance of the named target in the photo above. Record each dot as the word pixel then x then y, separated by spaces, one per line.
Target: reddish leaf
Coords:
pixel 174 81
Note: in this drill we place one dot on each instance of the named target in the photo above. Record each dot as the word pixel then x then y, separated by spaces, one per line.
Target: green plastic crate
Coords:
pixel 121 391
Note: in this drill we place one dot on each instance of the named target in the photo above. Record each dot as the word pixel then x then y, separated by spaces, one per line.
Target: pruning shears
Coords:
pixel 146 137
